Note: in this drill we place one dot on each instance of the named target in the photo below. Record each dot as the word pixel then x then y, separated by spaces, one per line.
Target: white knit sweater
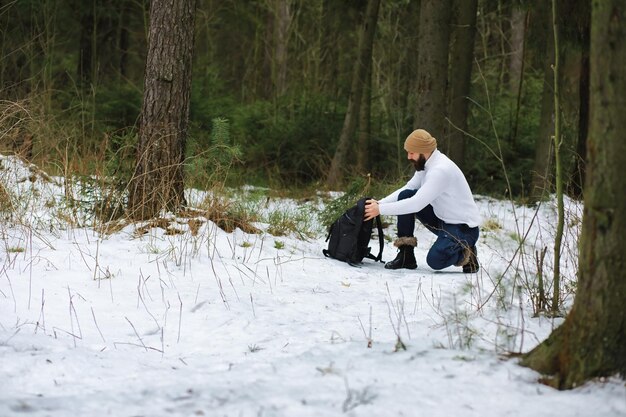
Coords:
pixel 442 185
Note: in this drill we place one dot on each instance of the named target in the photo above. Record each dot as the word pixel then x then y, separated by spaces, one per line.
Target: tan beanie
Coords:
pixel 420 141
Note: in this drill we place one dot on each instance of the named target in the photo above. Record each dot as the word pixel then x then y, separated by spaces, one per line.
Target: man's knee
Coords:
pixel 404 194
pixel 436 260
pixel 442 254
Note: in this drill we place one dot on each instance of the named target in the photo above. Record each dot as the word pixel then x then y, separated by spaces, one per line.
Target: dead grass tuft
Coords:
pixel 6 201
pixel 228 216
pixel 194 226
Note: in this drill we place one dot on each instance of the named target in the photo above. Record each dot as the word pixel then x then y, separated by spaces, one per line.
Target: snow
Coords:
pixel 233 324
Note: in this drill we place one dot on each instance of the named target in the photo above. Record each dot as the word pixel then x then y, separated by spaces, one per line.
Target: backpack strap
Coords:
pixel 381 241
pixel 330 231
pixel 381 236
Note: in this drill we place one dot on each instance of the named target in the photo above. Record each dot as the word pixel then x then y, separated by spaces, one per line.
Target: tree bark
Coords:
pixel 366 41
pixel 158 181
pixel 592 340
pixel 461 63
pixel 432 71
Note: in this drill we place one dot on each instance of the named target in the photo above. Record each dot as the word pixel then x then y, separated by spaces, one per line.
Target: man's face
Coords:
pixel 418 160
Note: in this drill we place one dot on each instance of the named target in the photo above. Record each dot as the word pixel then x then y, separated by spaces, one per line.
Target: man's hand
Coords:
pixel 371 210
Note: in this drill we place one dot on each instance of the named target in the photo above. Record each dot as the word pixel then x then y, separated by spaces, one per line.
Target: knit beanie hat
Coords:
pixel 420 141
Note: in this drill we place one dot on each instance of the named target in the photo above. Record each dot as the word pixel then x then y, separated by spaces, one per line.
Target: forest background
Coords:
pixel 276 77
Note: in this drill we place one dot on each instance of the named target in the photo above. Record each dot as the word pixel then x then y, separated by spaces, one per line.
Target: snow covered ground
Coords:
pixel 233 324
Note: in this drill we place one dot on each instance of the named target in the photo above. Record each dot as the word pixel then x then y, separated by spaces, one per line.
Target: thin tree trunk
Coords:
pixel 592 340
pixel 461 63
pixel 123 42
pixel 328 50
pixel 516 68
pixel 366 40
pixel 86 45
pixel 569 85
pixel 578 175
pixel 365 124
pixel 281 38
pixel 265 80
pixel 503 36
pixel 518 37
pixel 158 181
pixel 432 71
pixel 542 168
pixel 558 141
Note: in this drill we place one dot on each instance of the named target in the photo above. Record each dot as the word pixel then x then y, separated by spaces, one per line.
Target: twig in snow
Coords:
pixel 252 302
pixel 30 267
pixel 180 317
pixel 10 337
pixel 97 327
pixel 42 315
pixel 72 309
pixel 368 336
pixel 399 316
pixel 135 344
pixel 136 334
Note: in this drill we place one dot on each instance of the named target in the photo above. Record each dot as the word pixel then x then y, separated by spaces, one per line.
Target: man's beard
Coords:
pixel 420 164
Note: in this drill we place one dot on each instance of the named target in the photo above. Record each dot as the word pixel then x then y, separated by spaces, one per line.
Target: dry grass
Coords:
pixel 6 201
pixel 228 216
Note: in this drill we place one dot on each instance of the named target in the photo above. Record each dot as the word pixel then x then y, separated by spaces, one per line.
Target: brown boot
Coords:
pixel 469 261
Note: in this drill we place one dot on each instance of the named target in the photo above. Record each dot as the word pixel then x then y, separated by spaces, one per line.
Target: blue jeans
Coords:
pixel 451 241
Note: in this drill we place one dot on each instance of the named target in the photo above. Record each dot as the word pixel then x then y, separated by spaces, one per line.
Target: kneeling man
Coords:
pixel 439 196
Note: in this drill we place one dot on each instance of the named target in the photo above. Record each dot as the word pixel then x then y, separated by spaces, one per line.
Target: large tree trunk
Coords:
pixel 366 41
pixel 432 70
pixel 461 63
pixel 157 183
pixel 592 340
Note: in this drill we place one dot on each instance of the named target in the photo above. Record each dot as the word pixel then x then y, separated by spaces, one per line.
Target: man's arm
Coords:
pixel 425 195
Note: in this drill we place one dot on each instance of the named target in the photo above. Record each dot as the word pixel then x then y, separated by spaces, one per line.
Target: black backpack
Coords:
pixel 349 236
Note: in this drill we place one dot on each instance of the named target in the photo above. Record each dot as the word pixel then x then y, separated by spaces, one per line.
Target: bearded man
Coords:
pixel 439 196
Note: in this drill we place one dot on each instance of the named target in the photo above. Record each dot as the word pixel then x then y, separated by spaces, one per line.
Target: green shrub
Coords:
pixel 117 106
pixel 287 143
pixel 492 121
pixel 209 165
